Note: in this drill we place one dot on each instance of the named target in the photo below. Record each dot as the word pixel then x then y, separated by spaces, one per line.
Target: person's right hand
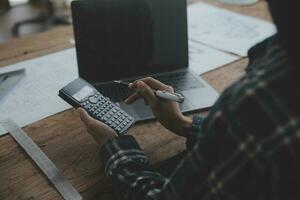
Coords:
pixel 166 112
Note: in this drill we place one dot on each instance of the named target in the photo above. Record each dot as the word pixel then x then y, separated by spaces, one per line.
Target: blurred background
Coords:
pixel 19 18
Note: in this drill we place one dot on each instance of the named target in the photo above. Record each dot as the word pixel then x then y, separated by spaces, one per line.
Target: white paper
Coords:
pixel 203 59
pixel 225 30
pixel 239 2
pixel 35 96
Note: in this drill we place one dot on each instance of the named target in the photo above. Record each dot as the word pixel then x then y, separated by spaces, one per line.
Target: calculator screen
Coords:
pixel 83 93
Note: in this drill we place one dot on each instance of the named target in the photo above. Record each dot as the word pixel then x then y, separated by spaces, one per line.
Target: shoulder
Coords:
pixel 266 98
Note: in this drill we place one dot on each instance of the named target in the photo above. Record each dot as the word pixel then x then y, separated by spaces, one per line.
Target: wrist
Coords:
pixel 184 125
pixel 102 137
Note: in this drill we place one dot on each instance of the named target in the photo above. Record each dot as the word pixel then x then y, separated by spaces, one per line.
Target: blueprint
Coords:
pixel 225 30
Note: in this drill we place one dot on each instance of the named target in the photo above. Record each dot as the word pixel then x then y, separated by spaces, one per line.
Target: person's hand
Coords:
pixel 166 112
pixel 100 131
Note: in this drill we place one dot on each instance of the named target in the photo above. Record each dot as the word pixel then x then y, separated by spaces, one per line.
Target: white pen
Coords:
pixel 171 96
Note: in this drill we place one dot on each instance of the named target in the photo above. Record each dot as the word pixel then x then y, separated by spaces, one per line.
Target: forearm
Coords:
pixel 128 167
pixel 133 178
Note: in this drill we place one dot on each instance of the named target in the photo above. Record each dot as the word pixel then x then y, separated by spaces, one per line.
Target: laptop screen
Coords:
pixel 117 39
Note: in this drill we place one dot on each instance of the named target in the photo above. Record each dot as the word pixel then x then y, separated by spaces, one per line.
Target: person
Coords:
pixel 246 148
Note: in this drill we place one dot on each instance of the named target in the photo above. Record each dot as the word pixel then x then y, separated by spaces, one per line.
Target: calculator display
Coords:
pixel 83 93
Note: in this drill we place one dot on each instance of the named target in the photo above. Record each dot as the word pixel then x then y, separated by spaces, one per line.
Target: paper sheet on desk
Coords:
pixel 35 96
pixel 225 30
pixel 203 59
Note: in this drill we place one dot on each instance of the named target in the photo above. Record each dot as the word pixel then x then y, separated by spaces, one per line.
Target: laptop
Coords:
pixel 131 39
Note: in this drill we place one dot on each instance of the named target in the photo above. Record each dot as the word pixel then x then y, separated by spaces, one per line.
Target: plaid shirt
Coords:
pixel 247 148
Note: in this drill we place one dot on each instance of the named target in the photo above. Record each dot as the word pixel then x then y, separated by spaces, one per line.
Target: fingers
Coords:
pixel 147 92
pixel 90 123
pixel 132 98
pixel 85 117
pixel 144 88
pixel 152 83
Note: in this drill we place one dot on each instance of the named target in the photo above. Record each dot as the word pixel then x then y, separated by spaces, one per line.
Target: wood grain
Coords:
pixel 64 139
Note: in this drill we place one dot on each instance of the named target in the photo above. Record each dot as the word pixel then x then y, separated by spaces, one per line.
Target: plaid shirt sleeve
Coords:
pixel 246 148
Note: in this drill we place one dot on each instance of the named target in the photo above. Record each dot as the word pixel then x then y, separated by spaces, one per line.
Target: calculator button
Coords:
pixel 86 107
pixel 95 113
pixel 93 99
pixel 109 122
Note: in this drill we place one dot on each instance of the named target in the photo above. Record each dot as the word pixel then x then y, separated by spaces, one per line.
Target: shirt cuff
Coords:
pixel 194 131
pixel 121 150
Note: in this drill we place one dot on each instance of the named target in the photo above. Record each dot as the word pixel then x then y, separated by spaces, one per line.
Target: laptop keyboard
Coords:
pixel 180 81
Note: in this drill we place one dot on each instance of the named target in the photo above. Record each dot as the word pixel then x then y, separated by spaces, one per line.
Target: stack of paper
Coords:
pixel 225 30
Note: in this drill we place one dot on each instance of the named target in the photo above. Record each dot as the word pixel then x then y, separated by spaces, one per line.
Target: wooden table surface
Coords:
pixel 64 139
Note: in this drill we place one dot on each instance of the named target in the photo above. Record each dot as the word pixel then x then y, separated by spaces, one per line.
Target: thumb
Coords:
pixel 86 118
pixel 145 91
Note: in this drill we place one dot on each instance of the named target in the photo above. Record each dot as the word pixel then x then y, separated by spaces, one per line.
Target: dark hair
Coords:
pixel 286 15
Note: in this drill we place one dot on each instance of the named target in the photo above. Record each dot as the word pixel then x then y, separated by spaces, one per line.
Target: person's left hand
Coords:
pixel 100 131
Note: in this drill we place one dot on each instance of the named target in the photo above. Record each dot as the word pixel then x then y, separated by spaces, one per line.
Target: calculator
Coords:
pixel 80 93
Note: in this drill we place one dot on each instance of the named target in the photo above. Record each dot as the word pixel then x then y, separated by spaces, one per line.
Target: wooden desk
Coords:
pixel 64 139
